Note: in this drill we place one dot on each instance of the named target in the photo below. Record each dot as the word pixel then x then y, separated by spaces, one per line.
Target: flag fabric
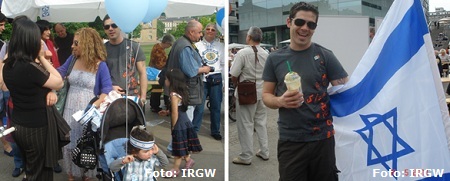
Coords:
pixel 391 119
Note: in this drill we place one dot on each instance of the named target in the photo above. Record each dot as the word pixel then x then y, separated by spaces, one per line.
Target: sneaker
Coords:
pixel 217 136
pixel 17 171
pixel 57 168
pixel 239 161
pixel 189 164
pixel 259 156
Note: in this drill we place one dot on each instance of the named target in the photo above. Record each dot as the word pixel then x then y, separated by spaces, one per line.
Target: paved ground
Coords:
pixel 259 169
pixel 212 156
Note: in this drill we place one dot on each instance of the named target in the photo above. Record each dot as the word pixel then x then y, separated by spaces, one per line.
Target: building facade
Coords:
pixel 271 15
pixel 170 23
pixel 148 32
pixel 440 13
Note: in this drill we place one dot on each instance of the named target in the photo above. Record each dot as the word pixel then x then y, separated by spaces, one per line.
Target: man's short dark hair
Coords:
pixel 303 6
pixel 3 17
pixel 106 18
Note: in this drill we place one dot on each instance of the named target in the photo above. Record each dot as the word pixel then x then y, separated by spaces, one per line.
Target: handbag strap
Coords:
pixel 72 63
pixel 256 60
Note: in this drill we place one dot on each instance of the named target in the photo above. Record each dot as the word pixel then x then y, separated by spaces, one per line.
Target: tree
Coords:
pixel 204 20
pixel 160 28
pixel 6 34
pixel 178 31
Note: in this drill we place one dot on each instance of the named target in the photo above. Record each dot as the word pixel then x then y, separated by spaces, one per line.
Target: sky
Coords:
pixel 439 3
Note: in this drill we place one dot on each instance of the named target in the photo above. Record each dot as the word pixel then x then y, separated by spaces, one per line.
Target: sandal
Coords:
pixel 189 164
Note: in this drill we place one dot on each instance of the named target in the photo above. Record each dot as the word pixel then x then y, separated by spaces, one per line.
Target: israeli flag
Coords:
pixel 391 119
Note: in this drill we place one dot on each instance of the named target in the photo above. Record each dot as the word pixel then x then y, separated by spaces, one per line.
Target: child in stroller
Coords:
pixel 117 123
pixel 143 155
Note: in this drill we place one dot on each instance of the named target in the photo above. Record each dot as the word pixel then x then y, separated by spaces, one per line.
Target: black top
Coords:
pixel 64 47
pixel 24 81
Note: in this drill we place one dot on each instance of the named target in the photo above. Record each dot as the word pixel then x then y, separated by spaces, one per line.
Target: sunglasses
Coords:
pixel 106 27
pixel 210 29
pixel 300 22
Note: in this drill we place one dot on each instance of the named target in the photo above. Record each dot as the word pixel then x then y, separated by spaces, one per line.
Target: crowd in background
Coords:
pixel 94 69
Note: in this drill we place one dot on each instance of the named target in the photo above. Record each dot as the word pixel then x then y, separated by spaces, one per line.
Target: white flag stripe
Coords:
pixel 402 126
pixel 381 35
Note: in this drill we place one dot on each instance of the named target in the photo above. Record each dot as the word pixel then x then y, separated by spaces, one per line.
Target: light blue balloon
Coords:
pixel 219 16
pixel 155 8
pixel 126 14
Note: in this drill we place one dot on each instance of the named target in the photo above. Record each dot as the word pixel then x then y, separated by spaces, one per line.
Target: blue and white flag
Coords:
pixel 391 119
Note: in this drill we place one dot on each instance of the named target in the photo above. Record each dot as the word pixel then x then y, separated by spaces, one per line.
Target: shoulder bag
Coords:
pixel 85 154
pixel 62 93
pixel 247 89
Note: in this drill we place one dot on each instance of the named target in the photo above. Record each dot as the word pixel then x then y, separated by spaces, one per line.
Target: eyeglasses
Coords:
pixel 210 29
pixel 300 22
pixel 106 27
pixel 75 43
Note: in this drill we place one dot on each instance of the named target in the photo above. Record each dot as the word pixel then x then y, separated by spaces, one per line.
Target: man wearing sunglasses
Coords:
pixel 211 50
pixel 306 141
pixel 123 54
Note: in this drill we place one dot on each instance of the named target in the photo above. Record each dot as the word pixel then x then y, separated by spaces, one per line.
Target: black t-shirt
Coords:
pixel 64 47
pixel 24 81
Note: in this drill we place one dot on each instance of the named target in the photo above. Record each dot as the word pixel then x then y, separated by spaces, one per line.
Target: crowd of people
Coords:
pixel 93 69
pixel 305 148
pixel 193 71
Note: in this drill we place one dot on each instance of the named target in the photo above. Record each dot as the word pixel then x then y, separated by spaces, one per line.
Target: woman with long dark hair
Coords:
pixel 29 77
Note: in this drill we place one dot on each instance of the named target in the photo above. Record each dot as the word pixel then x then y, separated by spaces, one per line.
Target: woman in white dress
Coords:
pixel 89 77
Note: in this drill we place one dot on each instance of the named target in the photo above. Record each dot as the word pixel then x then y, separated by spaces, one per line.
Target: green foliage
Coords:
pixel 204 20
pixel 178 31
pixel 98 25
pixel 73 27
pixel 160 29
pixel 137 31
pixel 6 34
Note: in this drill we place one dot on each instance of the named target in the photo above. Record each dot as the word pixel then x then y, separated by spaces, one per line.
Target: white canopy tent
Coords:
pixel 445 20
pixel 88 10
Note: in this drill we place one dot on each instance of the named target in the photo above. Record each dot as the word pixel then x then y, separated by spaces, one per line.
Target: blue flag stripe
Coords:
pixel 389 61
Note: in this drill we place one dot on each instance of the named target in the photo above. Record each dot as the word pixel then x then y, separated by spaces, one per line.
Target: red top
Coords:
pixel 52 49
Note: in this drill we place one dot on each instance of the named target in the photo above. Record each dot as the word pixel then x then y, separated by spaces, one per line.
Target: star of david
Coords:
pixel 396 140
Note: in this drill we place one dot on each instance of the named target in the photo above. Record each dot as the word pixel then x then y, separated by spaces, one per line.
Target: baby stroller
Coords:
pixel 114 132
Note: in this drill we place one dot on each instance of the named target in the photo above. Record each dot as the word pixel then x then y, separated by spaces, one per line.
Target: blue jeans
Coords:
pixel 215 100
pixel 18 162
